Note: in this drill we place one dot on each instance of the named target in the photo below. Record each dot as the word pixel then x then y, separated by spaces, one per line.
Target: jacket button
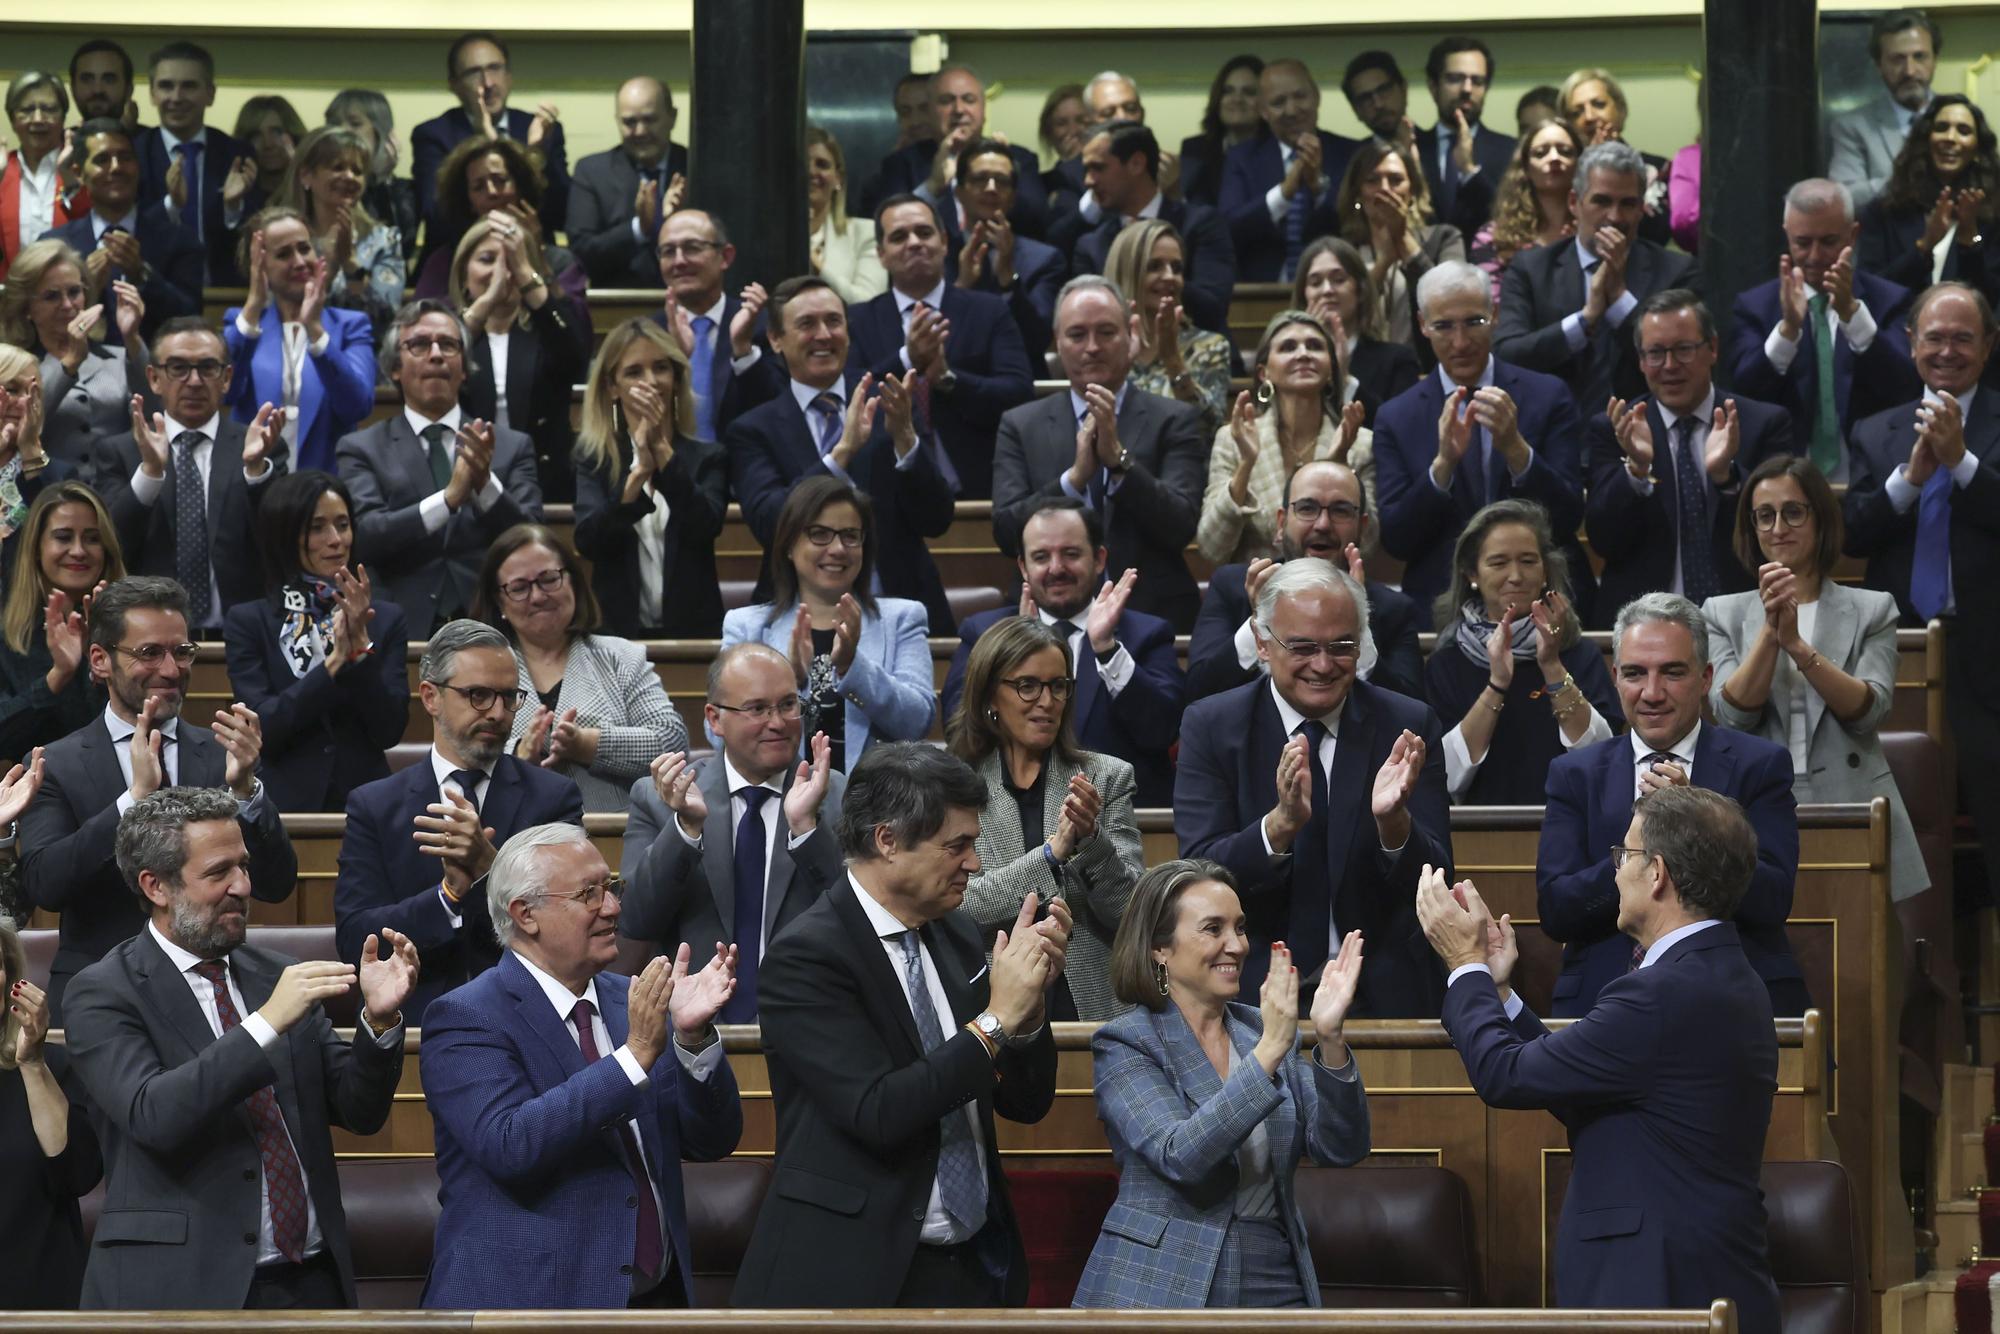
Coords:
pixel 1853 760
pixel 917 1214
pixel 250 1174
pixel 625 1269
pixel 631 1201
pixel 249 1238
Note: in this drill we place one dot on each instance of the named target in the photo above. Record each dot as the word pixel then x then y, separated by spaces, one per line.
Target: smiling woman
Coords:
pixel 1936 219
pixel 325 180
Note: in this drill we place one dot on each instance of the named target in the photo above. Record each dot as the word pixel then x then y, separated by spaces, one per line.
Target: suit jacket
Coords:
pixel 531 1171
pixel 858 1103
pixel 1466 205
pixel 69 830
pixel 172 282
pixel 95 401
pixel 1229 759
pixel 772 446
pixel 1149 520
pixel 182 1185
pixel 146 532
pixel 386 469
pixel 385 881
pixel 1863 385
pixel 336 388
pixel 909 167
pixel 890 688
pixel 1213 666
pixel 1383 370
pixel 1138 725
pixel 695 484
pixel 732 395
pixel 986 354
pixel 1862 145
pixel 545 363
pixel 601 196
pixel 1420 523
pixel 432 141
pixel 1590 808
pixel 1248 173
pixel 217 242
pixel 1175 1128
pixel 1666 1090
pixel 324 735
pixel 1889 248
pixel 612 687
pixel 1638 535
pixel 1211 258
pixel 1544 285
pixel 1039 271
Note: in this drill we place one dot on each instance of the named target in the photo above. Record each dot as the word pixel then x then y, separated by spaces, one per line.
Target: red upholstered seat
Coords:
pixel 1060 1213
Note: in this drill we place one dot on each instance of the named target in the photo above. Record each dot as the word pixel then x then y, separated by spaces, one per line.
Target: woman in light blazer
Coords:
pixel 1209 1104
pixel 1058 820
pixel 862 662
pixel 1806 662
pixel 842 248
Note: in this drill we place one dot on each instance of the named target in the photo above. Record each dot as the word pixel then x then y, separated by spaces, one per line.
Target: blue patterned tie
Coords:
pixel 1698 582
pixel 190 527
pixel 1930 563
pixel 701 366
pixel 827 425
pixel 1295 231
pixel 960 1173
pixel 190 155
pixel 747 916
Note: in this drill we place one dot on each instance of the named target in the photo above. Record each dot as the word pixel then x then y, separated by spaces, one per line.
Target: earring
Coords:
pixel 1160 975
pixel 1266 391
pixel 993 716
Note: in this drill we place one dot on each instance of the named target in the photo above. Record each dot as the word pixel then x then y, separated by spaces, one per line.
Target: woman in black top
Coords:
pixel 1509 664
pixel 1937 216
pixel 390 198
pixel 45 687
pixel 1333 283
pixel 1230 119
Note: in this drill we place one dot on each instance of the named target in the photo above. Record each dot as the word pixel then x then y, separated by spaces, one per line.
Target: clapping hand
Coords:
pixel 1454 434
pixel 697 998
pixel 386 979
pixel 261 438
pixel 149 772
pixel 18 788
pixel 1077 825
pixel 1634 432
pixel 674 779
pixel 1454 921
pixel 1550 613
pixel 450 830
pixel 241 736
pixel 131 311
pixel 1778 589
pixel 29 1004
pixel 1500 651
pixel 1338 982
pixel 1718 457
pixel 809 787
pixel 1101 626
pixel 1278 1003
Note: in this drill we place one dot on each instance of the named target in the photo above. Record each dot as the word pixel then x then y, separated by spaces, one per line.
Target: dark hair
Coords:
pixel 1706 843
pixel 1465 561
pixel 1093 522
pixel 92 47
pixel 1368 313
pixel 486 593
pixel 984 147
pixel 1369 154
pixel 451 56
pixel 805 503
pixel 1819 499
pixel 1541 95
pixel 1665 302
pixel 1913 182
pixel 791 290
pixel 1457 44
pixel 973 732
pixel 1130 139
pixel 272 104
pixel 184 324
pixel 1058 95
pixel 1366 61
pixel 1149 923
pixel 152 833
pixel 1360 491
pixel 389 356
pixel 1211 116
pixel 908 786
pixel 182 51
pixel 897 201
pixel 1902 20
pixel 149 592
pixel 454 192
pixel 27 81
pixel 284 516
pixel 97 125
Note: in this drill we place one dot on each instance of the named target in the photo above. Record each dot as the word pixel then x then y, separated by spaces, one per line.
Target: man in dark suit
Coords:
pixel 928 167
pixel 1323 513
pixel 122 240
pixel 1121 162
pixel 1130 689
pixel 1661 664
pixel 892 1043
pixel 1821 312
pixel 729 371
pixel 546 1148
pixel 1463 161
pixel 1138 459
pixel 1566 309
pixel 618 197
pixel 1511 433
pixel 736 847
pixel 207 540
pixel 1919 507
pixel 481 75
pixel 820 422
pixel 1666 473
pixel 217 1077
pixel 419 843
pixel 1674 1065
pixel 101 82
pixel 1278 189
pixel 206 178
pixel 139 648
pixel 986 255
pixel 1325 795
pixel 965 344
pixel 432 489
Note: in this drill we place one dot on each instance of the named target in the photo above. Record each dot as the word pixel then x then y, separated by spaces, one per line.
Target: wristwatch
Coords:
pixel 947 382
pixel 989 1028
pixel 1124 460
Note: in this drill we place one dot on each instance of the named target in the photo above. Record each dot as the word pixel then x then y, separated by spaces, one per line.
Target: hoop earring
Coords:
pixel 1160 975
pixel 1266 391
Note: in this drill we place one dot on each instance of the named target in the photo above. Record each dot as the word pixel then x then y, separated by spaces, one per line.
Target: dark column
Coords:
pixel 746 156
pixel 1760 133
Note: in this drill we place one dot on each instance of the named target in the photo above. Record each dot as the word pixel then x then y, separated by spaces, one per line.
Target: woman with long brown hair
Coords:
pixel 69 549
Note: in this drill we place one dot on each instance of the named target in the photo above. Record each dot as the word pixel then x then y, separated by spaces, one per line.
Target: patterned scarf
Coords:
pixel 308 623
pixel 1475 632
pixel 13 509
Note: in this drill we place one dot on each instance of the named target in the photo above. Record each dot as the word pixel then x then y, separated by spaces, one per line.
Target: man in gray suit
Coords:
pixel 1862 144
pixel 431 488
pixel 216 1076
pixel 1137 459
pixel 744 882
pixel 618 198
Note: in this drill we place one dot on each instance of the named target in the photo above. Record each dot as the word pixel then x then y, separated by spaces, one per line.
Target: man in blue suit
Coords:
pixel 1665 1085
pixel 729 371
pixel 1129 686
pixel 206 178
pixel 1463 161
pixel 1121 162
pixel 1324 794
pixel 987 255
pixel 929 167
pixel 1661 664
pixel 122 240
pixel 481 75
pixel 1820 312
pixel 1278 189
pixel 1511 433
pixel 559 1170
pixel 419 843
pixel 822 422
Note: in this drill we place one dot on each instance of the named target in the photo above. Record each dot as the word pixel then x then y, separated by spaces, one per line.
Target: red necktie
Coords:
pixel 647 1251
pixel 283 1181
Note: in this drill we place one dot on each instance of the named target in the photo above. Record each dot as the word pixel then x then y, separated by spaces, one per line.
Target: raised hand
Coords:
pixel 302 988
pixel 1254 576
pixel 646 1011
pixel 744 323
pixel 256 294
pixel 1778 590
pixel 450 830
pixel 1351 417
pixel 859 421
pixel 1792 297
pixel 1839 285
pixel 846 632
pixel 387 979
pixel 546 115
pixel 1634 432
pixel 131 311
pixel 809 787
pixel 1395 781
pixel 646 206
pixel 263 437
pixel 1077 825
pixel 570 743
pixel 241 736
pixel 1942 424
pixel 177 187
pixel 149 772
pixel 1294 791
pixel 1944 212
pixel 1455 928
pixel 674 779
pixel 1500 651
pixel 899 411
pixel 1278 1002
pixel 1021 969
pixel 29 1004
pixel 1970 200
pixel 1550 613
pixel 1357 568
pixel 1338 982
pixel 680 322
pixel 698 997
pixel 18 788
pixel 534 741
pixel 242 175
pixel 65 632
pixel 313 303
pixel 1454 435
pixel 1104 417
pixel 1718 456
pixel 1101 627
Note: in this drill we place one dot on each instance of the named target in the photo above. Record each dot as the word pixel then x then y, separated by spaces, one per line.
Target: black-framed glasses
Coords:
pixel 482 698
pixel 207 369
pixel 1683 354
pixel 592 896
pixel 1619 854
pixel 519 590
pixel 1305 650
pixel 1030 688
pixel 420 346
pixel 1308 511
pixel 1792 512
pixel 788 708
pixel 150 655
pixel 822 536
pixel 671 250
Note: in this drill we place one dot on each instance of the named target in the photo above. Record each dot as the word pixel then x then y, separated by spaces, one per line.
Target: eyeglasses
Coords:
pixel 1794 514
pixel 1934 341
pixel 691 249
pixel 482 698
pixel 1619 853
pixel 55 296
pixel 1305 650
pixel 822 536
pixel 151 654
pixel 1030 688
pixel 1683 354
pixel 592 896
pixel 787 708
pixel 209 369
pixel 1308 511
pixel 421 346
pixel 1361 97
pixel 1446 328
pixel 1459 79
pixel 518 590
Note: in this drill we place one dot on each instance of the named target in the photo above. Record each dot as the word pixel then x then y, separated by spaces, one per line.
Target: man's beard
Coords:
pixel 477 751
pixel 211 937
pixel 133 696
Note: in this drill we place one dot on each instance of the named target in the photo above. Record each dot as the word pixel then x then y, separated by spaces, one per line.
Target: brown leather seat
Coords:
pixel 311 943
pixel 722 1203
pixel 1932 1027
pixel 1389 1236
pixel 971 601
pixel 405 753
pixel 392 1212
pixel 1815 1246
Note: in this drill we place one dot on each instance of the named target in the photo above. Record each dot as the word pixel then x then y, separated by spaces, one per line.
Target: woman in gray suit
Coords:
pixel 1059 820
pixel 1806 662
pixel 87 385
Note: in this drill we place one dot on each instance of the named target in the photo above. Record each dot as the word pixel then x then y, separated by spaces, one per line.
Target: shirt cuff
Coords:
pixel 826 461
pixel 488 495
pixel 1780 350
pixel 1246 645
pixel 258 1027
pixel 1346 1074
pixel 1070 490
pixel 1117 673
pixel 1860 328
pixel 252 806
pixel 747 360
pixel 387 1038
pixel 243 325
pixel 318 346
pixel 146 489
pixel 433 510
pixel 1514 1004
pixel 126 801
pixel 792 841
pixel 630 1065
pixel 908 459
pixel 1573 334
pixel 1965 469
pixel 1901 493
pixel 1640 485
pixel 1621 310
pixel 1276 204
pixel 692 840
pixel 1525 467
pixel 1459 766
pixel 259 478
pixel 903 355
pixel 637 235
pixel 451 909
pixel 700 1064
pixel 232 215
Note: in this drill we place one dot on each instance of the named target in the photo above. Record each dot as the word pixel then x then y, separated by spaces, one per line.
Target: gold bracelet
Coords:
pixel 1495 707
pixel 1810 663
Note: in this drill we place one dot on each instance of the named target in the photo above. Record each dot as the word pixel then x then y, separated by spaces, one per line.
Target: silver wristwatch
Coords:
pixel 989 1028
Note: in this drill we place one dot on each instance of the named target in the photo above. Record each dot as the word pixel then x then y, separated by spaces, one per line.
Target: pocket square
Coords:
pixel 975 977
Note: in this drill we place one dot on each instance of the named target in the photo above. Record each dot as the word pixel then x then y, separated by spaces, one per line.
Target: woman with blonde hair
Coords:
pixel 87 384
pixel 269 125
pixel 843 248
pixel 364 258
pixel 71 550
pixel 650 498
pixel 1595 106
pixel 1385 213
pixel 1175 359
pixel 25 465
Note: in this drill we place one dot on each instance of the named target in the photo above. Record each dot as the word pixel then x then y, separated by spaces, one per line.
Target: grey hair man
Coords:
pixel 1862 144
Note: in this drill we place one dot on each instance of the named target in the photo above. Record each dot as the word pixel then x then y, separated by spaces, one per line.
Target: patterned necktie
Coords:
pixel 1656 757
pixel 1698 581
pixel 647 1248
pixel 1296 215
pixel 748 912
pixel 1826 417
pixel 701 367
pixel 468 781
pixel 1095 493
pixel 961 1175
pixel 439 457
pixel 190 155
pixel 190 527
pixel 283 1181
pixel 1930 562
pixel 921 396
pixel 827 424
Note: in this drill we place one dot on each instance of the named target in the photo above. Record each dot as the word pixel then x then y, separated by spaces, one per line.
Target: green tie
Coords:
pixel 1826 421
pixel 434 435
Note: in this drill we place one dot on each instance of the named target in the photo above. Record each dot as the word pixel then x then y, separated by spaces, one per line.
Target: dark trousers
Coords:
pixel 311 1285
pixel 952 1276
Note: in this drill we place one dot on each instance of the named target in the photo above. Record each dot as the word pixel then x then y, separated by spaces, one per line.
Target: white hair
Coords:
pixel 1109 76
pixel 1304 574
pixel 1816 194
pixel 520 872
pixel 1454 277
pixel 1667 609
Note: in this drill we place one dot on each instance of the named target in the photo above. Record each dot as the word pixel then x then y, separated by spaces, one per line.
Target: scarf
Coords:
pixel 13 509
pixel 308 624
pixel 1475 631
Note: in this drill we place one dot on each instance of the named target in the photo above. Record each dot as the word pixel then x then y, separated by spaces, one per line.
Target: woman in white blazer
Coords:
pixel 862 662
pixel 843 248
pixel 1806 662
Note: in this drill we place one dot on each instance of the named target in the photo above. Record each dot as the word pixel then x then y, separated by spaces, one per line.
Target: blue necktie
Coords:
pixel 827 426
pixel 701 364
pixel 1930 563
pixel 1295 231
pixel 190 154
pixel 748 914
pixel 1698 583
pixel 1447 172
pixel 961 1176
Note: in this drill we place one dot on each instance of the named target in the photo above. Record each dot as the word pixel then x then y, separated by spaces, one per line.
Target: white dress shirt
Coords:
pixel 906 306
pixel 1668 461
pixel 170 761
pixel 1116 674
pixel 1674 937
pixel 146 490
pixel 1903 495
pixel 772 811
pixel 1482 437
pixel 432 509
pixel 1615 314
pixel 1682 751
pixel 41 186
pixel 718 332
pixel 1274 198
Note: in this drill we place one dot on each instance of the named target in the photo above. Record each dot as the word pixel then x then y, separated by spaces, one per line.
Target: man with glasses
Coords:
pixel 733 848
pixel 207 178
pixel 1463 161
pixel 1325 795
pixel 1666 470
pixel 716 330
pixel 1379 96
pixel 139 648
pixel 419 843
pixel 123 240
pixel 184 485
pixel 432 487
pixel 481 75
pixel 561 1119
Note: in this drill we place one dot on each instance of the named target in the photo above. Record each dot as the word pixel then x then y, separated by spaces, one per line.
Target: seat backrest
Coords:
pixel 315 944
pixel 1815 1248
pixel 722 1203
pixel 1061 1213
pixel 1389 1236
pixel 392 1212
pixel 1917 762
pixel 971 601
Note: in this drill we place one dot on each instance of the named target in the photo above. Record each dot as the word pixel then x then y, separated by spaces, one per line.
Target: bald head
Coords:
pixel 1323 509
pixel 646 114
pixel 1288 99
